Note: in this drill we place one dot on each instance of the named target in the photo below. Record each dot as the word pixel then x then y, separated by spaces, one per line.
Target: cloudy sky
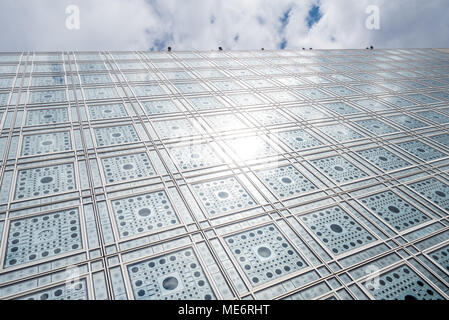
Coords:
pixel 232 24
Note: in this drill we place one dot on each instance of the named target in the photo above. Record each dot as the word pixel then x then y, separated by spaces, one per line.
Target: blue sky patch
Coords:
pixel 314 16
pixel 161 43
pixel 284 19
pixel 283 44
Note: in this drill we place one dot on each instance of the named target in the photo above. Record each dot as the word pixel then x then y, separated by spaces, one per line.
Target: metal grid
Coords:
pixel 224 175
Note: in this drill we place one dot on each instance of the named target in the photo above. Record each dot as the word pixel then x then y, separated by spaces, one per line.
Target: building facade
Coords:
pixel 304 174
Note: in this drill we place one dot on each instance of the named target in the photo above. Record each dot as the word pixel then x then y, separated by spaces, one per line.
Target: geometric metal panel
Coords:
pixel 399 102
pixel 107 111
pixel 384 159
pixel 367 88
pixel 3 98
pixel 223 196
pixel 282 97
pixel 223 142
pixel 227 85
pixel 47 81
pixel 433 190
pixel 264 254
pixel 342 91
pixel 260 83
pixel 174 276
pixel 317 79
pixel 127 167
pixel 377 127
pixel 108 136
pixel 341 108
pixel 441 256
pixel 402 283
pixel 44 181
pixel 195 156
pixel 174 128
pixel 308 113
pixel 408 121
pixel 372 105
pixel 341 132
pixel 337 230
pixel 46 143
pixel 421 150
pixel 443 139
pixel 286 181
pixel 206 103
pixel 440 95
pixel 143 213
pixel 48 67
pixel 339 169
pixel 298 139
pixel 47 96
pixel 77 291
pixel 91 66
pixel 434 116
pixel 397 212
pixel 269 117
pixel 245 99
pixel 160 106
pixel 46 116
pixel 422 98
pixel 144 91
pixel 187 88
pixel 314 93
pixel 94 78
pixel 43 236
pixel 6 82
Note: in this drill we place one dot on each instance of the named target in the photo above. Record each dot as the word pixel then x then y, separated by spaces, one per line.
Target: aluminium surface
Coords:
pixel 293 174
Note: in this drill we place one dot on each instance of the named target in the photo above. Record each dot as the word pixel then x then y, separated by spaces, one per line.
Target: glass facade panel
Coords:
pixel 225 175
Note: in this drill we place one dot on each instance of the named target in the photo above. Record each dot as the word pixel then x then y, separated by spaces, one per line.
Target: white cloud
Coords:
pixel 403 23
pixel 108 24
pixel 186 24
